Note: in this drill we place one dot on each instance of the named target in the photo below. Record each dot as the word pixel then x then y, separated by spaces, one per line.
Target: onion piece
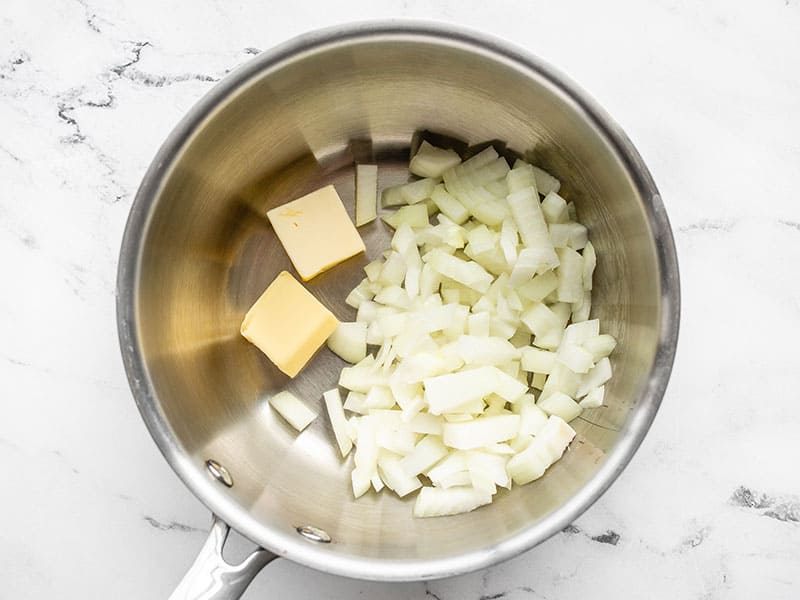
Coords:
pixel 482 158
pixel 393 475
pixel 426 453
pixel 578 236
pixel 377 483
pixel 589 264
pixel 361 481
pixel 478 324
pixel 600 346
pixel 437 502
pixel 480 203
pixel 349 341
pixel 480 432
pixel 479 350
pixel 359 294
pixel 415 216
pixel 576 358
pixel 354 402
pixel 291 408
pixel 396 440
pixel 578 333
pixel 538 288
pixel 417 191
pixel 561 379
pixel 391 196
pixel 366 193
pixel 430 161
pixel 582 310
pixel 366 456
pixel 529 219
pixel 448 468
pixel 570 276
pixel 469 274
pixel 545 183
pixel 492 467
pixel 333 402
pixel 594 399
pixel 554 208
pixel 540 319
pixel 426 423
pixel 449 205
pixel 532 417
pixel 379 397
pixel 598 376
pixel 521 177
pixel 543 451
pixel 535 360
pixel 360 378
pixel 446 393
pixel 561 405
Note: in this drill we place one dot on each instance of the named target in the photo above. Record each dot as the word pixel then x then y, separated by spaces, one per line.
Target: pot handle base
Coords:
pixel 211 577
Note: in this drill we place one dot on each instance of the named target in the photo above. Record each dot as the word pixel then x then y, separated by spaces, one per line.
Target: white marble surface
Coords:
pixel 709 92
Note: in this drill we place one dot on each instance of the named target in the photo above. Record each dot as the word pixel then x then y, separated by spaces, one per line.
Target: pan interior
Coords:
pixel 208 252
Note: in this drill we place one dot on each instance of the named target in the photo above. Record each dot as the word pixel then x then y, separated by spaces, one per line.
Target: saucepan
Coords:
pixel 198 251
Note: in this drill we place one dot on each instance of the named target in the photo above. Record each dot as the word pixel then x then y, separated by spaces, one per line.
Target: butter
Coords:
pixel 316 232
pixel 288 324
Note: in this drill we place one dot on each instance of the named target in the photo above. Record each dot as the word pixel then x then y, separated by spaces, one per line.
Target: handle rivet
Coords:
pixel 219 472
pixel 315 534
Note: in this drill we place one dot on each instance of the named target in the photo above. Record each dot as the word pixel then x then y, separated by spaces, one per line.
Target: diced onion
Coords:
pixel 600 346
pixel 333 402
pixel 291 408
pixel 451 207
pixel 349 341
pixel 594 398
pixel 438 502
pixel 598 376
pixel 414 216
pixel 545 182
pixel 480 432
pixel 535 360
pixel 543 450
pixel 471 312
pixel 426 453
pixel 417 191
pixel 366 193
pixel 430 161
pixel 554 208
pixel 561 405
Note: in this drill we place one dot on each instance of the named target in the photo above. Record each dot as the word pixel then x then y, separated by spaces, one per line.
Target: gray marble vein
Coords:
pixel 781 509
pixel 171 525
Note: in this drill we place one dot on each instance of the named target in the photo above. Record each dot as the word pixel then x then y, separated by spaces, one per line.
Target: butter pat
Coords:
pixel 288 324
pixel 316 232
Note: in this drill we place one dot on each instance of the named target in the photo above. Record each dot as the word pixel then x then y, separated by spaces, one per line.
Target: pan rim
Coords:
pixel 294 547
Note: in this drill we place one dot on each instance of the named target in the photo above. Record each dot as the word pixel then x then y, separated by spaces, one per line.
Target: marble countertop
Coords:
pixel 710 94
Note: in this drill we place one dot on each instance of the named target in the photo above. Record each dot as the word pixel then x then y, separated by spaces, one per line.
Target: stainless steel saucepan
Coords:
pixel 198 251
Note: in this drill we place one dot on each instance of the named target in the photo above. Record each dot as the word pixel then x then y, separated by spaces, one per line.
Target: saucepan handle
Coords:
pixel 211 577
